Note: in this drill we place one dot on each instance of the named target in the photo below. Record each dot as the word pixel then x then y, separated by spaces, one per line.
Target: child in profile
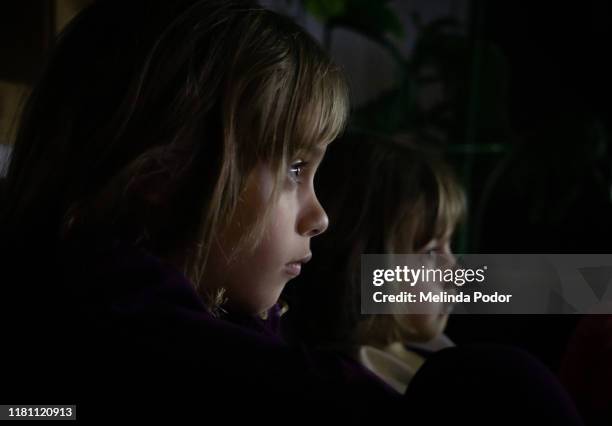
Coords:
pixel 382 196
pixel 162 181
pixel 392 196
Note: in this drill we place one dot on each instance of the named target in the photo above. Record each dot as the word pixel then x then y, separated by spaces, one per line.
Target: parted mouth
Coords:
pixel 295 266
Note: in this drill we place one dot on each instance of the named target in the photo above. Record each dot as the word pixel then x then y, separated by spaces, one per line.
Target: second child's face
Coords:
pixel 430 325
pixel 254 279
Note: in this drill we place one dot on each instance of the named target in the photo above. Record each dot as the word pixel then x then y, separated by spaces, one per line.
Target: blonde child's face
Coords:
pixel 429 325
pixel 254 279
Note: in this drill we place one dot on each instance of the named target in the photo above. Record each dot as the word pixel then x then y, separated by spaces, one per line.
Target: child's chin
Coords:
pixel 265 305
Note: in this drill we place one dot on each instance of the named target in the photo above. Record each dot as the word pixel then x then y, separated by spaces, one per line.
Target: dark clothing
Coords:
pixel 488 385
pixel 586 369
pixel 120 333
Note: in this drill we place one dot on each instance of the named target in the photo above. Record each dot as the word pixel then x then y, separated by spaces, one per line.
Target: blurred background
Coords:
pixel 516 96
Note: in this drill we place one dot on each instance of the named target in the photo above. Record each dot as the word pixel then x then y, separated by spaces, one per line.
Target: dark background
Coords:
pixel 515 94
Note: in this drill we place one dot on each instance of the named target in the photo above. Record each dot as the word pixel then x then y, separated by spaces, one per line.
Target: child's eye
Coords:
pixel 297 169
pixel 432 250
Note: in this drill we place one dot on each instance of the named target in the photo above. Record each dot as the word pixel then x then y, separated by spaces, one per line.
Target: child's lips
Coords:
pixel 294 268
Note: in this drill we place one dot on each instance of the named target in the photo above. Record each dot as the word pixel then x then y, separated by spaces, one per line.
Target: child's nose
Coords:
pixel 314 220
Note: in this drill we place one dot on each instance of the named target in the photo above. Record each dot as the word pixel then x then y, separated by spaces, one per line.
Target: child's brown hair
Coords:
pixel 150 115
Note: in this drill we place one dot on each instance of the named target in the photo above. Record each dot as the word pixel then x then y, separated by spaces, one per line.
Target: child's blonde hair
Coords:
pixel 150 116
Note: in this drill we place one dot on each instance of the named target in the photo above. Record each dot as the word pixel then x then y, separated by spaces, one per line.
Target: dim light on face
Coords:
pixel 254 279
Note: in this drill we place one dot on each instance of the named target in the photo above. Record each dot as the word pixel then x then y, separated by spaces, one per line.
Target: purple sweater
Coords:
pixel 127 335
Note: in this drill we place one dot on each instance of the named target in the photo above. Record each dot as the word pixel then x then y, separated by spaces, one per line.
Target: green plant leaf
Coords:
pixel 325 9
